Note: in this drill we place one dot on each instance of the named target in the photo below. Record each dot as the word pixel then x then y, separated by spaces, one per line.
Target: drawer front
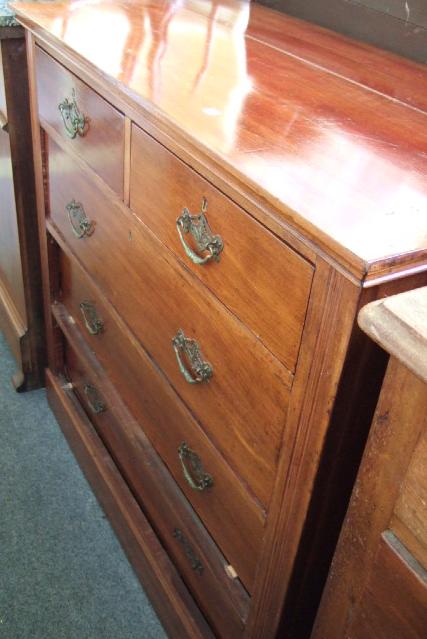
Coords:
pixel 201 564
pixel 256 275
pixel 100 140
pixel 215 492
pixel 243 405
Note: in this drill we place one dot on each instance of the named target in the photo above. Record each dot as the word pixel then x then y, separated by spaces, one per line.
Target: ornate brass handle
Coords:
pixel 93 323
pixel 93 399
pixel 201 370
pixel 192 468
pixel 199 228
pixel 74 121
pixel 79 221
pixel 195 562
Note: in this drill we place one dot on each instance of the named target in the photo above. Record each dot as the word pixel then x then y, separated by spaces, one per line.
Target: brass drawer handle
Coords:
pixel 80 223
pixel 93 399
pixel 202 370
pixel 192 468
pixel 74 121
pixel 199 228
pixel 195 562
pixel 93 323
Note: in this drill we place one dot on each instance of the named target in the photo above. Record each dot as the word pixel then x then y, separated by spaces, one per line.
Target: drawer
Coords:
pixel 101 141
pixel 256 275
pixel 202 566
pixel 243 405
pixel 225 507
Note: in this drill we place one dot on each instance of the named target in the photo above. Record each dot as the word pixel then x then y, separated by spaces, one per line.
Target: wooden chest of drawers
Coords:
pixel 205 258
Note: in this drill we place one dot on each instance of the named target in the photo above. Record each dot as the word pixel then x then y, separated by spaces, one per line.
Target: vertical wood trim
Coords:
pixel 126 171
pixel 40 198
pixel 17 95
pixel 329 324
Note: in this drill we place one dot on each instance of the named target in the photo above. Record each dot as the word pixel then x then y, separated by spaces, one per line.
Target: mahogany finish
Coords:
pixel 21 315
pixel 226 507
pixel 161 186
pixel 315 182
pixel 377 585
pixel 335 160
pixel 248 384
pixel 201 564
pixel 102 142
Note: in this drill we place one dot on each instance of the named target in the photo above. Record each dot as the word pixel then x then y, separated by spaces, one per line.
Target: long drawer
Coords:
pixel 242 405
pixel 232 516
pixel 256 275
pixel 87 124
pixel 207 573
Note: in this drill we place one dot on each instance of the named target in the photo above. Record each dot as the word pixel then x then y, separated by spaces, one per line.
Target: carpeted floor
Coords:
pixel 63 574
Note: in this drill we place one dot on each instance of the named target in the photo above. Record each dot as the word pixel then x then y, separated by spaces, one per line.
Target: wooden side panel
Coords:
pixel 411 507
pixel 394 603
pixel 20 267
pixel 10 253
pixel 395 431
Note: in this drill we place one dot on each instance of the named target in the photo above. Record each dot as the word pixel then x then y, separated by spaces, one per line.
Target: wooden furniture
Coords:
pixel 21 302
pixel 377 585
pixel 214 209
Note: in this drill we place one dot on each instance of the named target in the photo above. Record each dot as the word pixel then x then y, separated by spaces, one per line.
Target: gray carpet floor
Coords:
pixel 63 574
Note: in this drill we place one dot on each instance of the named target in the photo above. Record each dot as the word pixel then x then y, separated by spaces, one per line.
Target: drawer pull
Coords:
pixel 93 399
pixel 79 221
pixel 189 347
pixel 93 323
pixel 195 562
pixel 74 121
pixel 192 468
pixel 199 228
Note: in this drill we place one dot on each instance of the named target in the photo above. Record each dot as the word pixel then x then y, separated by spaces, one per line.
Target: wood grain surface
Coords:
pixel 226 508
pixel 338 161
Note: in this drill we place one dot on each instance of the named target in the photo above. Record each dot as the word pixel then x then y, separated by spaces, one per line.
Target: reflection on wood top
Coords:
pixel 399 324
pixel 330 132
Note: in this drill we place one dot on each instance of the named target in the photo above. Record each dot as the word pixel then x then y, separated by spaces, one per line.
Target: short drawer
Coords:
pixel 208 575
pixel 243 405
pixel 98 137
pixel 232 516
pixel 256 276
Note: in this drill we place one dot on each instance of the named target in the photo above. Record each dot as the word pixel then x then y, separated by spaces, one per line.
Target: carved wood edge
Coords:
pixel 399 325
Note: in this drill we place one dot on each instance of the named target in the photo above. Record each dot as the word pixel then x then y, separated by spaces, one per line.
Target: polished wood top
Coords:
pixel 331 133
pixel 399 324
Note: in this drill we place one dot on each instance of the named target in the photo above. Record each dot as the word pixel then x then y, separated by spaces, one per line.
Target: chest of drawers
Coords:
pixel 210 230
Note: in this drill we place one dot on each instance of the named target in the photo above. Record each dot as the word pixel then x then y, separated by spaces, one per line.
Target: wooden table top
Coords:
pixel 330 133
pixel 399 325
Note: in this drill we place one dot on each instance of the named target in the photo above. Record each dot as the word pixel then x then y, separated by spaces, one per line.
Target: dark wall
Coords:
pixel 396 25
